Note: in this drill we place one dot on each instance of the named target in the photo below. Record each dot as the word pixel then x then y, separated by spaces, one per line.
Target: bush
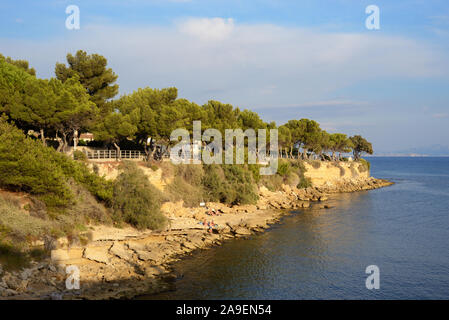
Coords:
pixel 231 184
pixel 283 168
pixel 187 184
pixel 255 170
pixel 135 200
pixel 27 165
pixel 316 164
pixel 304 183
pixel 273 182
pixel 79 155
pixel 18 224
pixel 366 164
pixel 239 181
pixel 292 179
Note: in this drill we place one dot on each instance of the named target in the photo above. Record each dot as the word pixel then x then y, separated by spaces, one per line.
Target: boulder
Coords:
pixel 14 283
pixel 26 274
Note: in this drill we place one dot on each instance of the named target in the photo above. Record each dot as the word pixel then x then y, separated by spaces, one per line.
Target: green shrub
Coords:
pixel 135 200
pixel 19 224
pixel 255 170
pixel 304 183
pixel 284 168
pixel 316 164
pixel 292 179
pixel 231 184
pixel 187 184
pixel 273 182
pixel 79 155
pixel 28 166
pixel 365 163
pixel 151 165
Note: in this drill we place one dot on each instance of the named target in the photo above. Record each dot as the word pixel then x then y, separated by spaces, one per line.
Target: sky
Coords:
pixel 283 59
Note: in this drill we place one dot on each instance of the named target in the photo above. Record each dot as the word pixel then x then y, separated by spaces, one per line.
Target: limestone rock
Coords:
pixel 59 255
pixel 189 245
pixel 121 251
pixel 149 255
pixel 98 254
pixel 242 231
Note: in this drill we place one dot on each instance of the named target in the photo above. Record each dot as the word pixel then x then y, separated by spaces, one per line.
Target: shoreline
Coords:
pixel 126 263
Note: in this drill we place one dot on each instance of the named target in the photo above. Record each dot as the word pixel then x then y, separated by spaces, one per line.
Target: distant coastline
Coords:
pixel 401 155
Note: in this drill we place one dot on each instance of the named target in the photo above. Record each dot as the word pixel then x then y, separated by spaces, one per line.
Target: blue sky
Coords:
pixel 283 59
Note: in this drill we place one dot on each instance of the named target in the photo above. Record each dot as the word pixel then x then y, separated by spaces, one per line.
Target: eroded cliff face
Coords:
pixel 321 173
pixel 330 174
pixel 111 169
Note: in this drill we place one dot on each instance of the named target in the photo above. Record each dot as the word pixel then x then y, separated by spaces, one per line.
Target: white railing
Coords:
pixel 112 154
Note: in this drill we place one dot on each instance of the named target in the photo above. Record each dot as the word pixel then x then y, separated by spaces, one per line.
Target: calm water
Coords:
pixel 322 254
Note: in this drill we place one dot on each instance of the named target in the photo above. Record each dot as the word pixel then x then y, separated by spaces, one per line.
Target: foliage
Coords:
pixel 360 145
pixel 284 168
pixel 79 155
pixel 136 201
pixel 366 164
pixel 22 64
pixel 95 77
pixel 27 165
pixel 304 183
pixel 231 184
pixel 187 185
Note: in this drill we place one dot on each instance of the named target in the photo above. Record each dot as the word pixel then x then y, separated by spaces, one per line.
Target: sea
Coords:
pixel 401 232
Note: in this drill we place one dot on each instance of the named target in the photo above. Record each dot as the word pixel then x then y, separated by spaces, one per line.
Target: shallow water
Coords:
pixel 322 254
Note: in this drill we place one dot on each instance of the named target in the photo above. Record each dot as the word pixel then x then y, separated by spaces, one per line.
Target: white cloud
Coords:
pixel 207 28
pixel 252 66
pixel 339 103
pixel 440 115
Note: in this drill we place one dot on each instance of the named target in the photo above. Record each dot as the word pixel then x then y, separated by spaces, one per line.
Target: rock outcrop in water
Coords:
pixel 122 263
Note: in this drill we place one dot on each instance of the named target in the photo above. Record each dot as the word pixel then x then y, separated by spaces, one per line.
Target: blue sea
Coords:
pixel 323 254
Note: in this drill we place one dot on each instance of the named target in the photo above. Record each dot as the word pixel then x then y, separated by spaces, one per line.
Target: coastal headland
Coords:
pixel 126 262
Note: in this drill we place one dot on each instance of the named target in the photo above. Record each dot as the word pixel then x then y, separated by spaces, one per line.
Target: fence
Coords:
pixel 112 154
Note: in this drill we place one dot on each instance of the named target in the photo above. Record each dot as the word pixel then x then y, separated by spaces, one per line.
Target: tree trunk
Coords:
pixel 64 142
pixel 145 148
pixel 118 157
pixel 59 142
pixel 43 137
pixel 75 139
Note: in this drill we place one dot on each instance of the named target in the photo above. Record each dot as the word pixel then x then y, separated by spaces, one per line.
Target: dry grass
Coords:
pixel 17 224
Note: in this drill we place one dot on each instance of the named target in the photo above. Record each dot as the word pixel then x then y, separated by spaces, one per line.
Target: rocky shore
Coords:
pixel 124 263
